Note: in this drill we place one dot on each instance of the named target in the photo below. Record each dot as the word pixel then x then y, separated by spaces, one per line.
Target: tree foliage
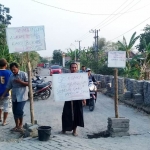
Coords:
pixel 144 36
pixel 57 57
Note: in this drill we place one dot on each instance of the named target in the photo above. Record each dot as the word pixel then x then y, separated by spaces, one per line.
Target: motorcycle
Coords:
pixel 93 96
pixel 38 80
pixel 42 91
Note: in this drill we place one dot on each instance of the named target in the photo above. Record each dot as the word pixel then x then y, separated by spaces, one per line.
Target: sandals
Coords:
pixel 13 129
pixel 17 129
pixel 20 130
pixel 4 124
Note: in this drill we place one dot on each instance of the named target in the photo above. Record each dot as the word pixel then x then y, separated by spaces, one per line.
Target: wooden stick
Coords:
pixel 116 91
pixel 72 110
pixel 30 89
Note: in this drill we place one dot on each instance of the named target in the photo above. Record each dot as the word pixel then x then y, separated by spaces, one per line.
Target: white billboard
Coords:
pixel 117 59
pixel 25 39
pixel 70 86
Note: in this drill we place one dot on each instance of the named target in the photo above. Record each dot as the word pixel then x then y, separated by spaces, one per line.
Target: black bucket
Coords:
pixel 44 133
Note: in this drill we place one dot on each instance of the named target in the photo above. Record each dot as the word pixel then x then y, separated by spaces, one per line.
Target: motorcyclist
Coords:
pixel 91 78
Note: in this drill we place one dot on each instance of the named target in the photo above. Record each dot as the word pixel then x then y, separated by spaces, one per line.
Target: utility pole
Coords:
pixel 79 44
pixel 94 31
pixel 96 44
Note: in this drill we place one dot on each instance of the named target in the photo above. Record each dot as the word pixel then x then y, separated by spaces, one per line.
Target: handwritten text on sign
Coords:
pixel 117 59
pixel 70 86
pixel 23 39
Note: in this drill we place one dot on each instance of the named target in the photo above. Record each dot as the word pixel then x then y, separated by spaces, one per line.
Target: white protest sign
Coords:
pixel 25 39
pixel 70 86
pixel 117 59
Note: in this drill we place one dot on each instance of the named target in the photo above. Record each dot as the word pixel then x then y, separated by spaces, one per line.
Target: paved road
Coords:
pixel 48 112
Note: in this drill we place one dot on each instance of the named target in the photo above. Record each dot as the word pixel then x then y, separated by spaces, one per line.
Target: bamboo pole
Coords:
pixel 30 88
pixel 116 92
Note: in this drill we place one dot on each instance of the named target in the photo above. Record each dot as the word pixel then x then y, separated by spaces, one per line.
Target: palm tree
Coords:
pixel 128 47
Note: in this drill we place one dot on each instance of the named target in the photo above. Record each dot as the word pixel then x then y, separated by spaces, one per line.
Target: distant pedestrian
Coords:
pixel 83 69
pixel 72 115
pixel 5 104
pixel 18 82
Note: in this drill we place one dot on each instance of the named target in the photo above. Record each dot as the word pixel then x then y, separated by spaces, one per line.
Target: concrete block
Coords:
pixel 112 130
pixel 118 120
pixel 34 133
pixel 33 128
pixel 26 134
pixel 119 134
pixel 27 125
pixel 119 125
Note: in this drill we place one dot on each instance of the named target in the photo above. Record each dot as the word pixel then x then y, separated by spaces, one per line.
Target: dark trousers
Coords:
pixel 18 109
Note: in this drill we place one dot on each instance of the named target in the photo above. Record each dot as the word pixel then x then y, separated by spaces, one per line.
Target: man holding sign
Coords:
pixel 72 115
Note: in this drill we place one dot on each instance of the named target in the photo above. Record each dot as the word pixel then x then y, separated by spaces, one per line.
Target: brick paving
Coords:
pixel 49 113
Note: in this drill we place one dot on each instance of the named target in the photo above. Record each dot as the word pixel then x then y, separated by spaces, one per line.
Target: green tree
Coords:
pixel 57 57
pixel 73 53
pixel 128 47
pixel 144 37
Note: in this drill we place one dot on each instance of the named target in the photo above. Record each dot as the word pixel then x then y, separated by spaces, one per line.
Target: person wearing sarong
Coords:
pixel 72 115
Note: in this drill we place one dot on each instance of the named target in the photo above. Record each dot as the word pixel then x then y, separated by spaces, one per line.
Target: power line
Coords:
pixel 110 18
pixel 109 15
pixel 115 18
pixel 120 15
pixel 130 29
pixel 83 13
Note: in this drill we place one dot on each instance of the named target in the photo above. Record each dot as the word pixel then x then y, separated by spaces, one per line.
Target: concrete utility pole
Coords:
pixel 97 44
pixel 94 31
pixel 96 41
pixel 79 44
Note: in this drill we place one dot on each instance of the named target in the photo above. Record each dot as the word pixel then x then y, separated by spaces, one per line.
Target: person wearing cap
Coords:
pixel 91 77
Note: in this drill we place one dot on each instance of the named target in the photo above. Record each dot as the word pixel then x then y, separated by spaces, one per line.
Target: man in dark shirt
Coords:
pixel 5 103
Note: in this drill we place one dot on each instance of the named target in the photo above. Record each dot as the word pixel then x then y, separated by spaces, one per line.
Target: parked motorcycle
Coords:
pixel 42 91
pixel 38 80
pixel 93 96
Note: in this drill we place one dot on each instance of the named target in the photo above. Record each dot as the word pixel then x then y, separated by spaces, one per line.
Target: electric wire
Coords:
pixel 130 29
pixel 84 13
pixel 109 22
pixel 120 15
pixel 108 16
